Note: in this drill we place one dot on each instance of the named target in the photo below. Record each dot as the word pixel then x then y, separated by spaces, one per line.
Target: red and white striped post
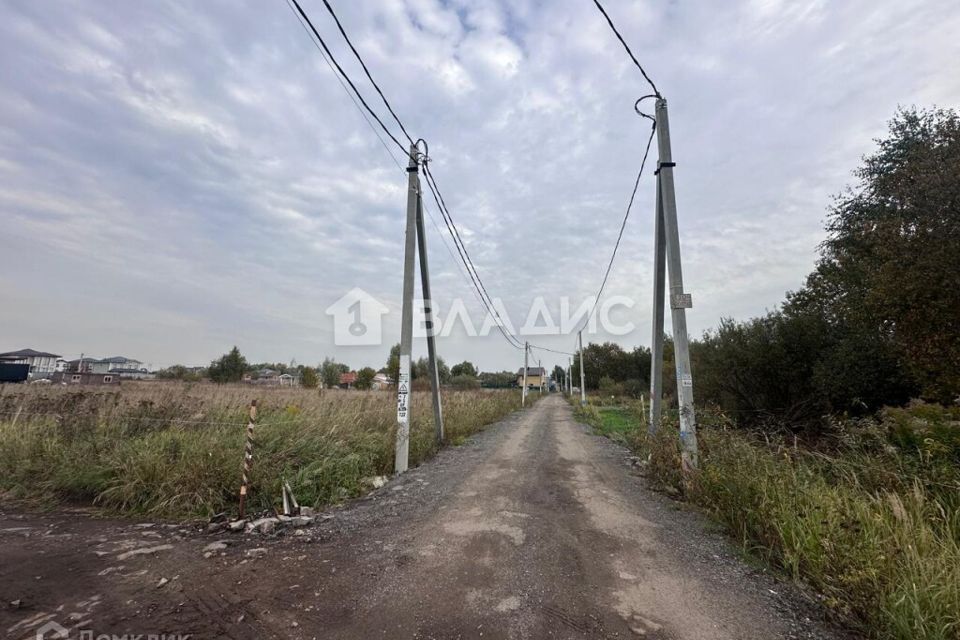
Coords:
pixel 248 456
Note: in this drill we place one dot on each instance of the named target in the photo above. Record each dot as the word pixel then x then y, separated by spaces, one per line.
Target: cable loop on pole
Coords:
pixel 636 107
pixel 422 156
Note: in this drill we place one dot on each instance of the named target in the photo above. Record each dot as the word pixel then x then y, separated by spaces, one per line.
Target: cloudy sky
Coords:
pixel 177 177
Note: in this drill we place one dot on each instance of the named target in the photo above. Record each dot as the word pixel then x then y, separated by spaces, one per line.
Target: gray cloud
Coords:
pixel 179 177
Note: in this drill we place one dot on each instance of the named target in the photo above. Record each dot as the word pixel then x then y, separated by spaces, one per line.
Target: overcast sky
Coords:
pixel 178 177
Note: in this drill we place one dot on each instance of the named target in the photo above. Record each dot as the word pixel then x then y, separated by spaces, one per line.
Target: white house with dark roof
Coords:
pixel 113 364
pixel 42 364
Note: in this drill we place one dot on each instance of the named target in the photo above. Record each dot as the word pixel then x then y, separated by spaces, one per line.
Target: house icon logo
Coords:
pixel 52 631
pixel 357 319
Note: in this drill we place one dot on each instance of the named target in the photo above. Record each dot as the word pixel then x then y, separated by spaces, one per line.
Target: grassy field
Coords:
pixel 175 450
pixel 870 519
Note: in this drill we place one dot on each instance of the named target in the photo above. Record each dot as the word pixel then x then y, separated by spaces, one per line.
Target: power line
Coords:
pixel 565 353
pixel 343 73
pixel 393 157
pixel 623 225
pixel 347 91
pixel 465 257
pixel 367 71
pixel 452 227
pixel 441 204
pixel 627 47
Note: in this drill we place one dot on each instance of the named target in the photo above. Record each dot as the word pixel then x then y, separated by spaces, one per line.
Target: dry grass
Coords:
pixel 175 450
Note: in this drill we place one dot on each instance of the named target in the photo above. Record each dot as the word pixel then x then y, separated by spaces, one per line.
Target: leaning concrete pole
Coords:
pixel 406 318
pixel 523 395
pixel 679 301
pixel 656 342
pixel 583 384
pixel 431 327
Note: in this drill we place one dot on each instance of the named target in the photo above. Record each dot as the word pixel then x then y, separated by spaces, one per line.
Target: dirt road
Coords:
pixel 533 529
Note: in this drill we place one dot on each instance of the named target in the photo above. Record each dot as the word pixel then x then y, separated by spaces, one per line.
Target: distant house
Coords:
pixel 133 374
pixel 42 364
pixel 105 365
pixel 119 362
pixel 535 376
pixel 348 380
pixel 271 378
pixel 382 381
pixel 87 378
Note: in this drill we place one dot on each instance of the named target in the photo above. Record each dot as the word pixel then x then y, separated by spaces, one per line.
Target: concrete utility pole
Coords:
pixel 570 376
pixel 406 318
pixel 523 396
pixel 668 239
pixel 583 385
pixel 415 237
pixel 540 372
pixel 428 312
pixel 656 350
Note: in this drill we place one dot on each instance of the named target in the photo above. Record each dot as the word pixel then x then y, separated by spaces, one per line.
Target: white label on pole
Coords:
pixel 686 380
pixel 403 390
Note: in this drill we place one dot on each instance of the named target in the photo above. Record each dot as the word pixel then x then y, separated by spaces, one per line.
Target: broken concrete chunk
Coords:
pixel 214 527
pixel 263 525
pixel 215 546
pixel 256 552
pixel 376 481
pixel 237 525
pixel 144 551
pixel 299 521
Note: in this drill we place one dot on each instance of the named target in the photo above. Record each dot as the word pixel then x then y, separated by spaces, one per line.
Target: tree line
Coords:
pixel 877 322
pixel 234 367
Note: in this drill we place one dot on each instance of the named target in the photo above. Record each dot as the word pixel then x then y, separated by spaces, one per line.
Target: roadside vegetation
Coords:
pixel 829 428
pixel 869 517
pixel 175 450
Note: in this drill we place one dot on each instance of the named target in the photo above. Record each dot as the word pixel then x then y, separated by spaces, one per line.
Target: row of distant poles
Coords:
pixel 667 265
pixel 667 259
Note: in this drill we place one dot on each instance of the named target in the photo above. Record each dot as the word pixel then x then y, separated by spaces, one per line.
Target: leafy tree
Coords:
pixel 610 360
pixel 180 372
pixel 309 378
pixel 499 379
pixel 393 363
pixel 229 368
pixel 330 372
pixel 558 373
pixel 465 368
pixel 464 382
pixel 888 273
pixel 365 378
pixel 420 370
